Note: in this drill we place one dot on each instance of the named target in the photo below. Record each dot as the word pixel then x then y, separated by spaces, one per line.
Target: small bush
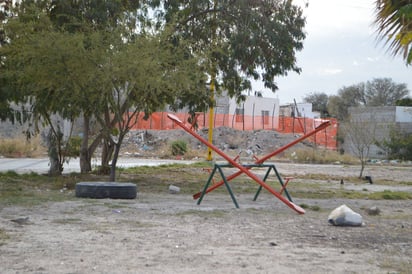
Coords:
pixel 179 147
pixel 398 146
pixel 73 147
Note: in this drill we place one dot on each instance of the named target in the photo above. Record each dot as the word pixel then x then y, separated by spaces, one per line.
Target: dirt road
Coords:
pixel 166 233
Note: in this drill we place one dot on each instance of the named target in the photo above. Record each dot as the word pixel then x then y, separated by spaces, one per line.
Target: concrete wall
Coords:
pixel 383 119
pixel 304 110
pixel 403 114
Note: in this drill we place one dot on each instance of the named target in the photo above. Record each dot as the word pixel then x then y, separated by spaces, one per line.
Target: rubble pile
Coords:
pixel 155 142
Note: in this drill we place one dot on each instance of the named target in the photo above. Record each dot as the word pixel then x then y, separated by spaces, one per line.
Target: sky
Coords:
pixel 340 50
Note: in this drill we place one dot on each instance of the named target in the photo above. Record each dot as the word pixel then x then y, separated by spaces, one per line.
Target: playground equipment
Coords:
pixel 265 158
pixel 246 168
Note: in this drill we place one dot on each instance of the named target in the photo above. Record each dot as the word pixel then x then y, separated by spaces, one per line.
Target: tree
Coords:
pixel 404 102
pixel 159 73
pixel 394 22
pixel 238 40
pixel 319 101
pixel 111 76
pixel 360 132
pixel 93 19
pixel 351 96
pixel 384 92
pixel 66 81
pixel 377 92
pixel 68 57
pixel 6 112
pixel 128 22
pixel 36 71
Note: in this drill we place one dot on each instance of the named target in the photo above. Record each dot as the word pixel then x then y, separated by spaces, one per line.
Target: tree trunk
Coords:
pixel 56 168
pixel 107 153
pixel 114 160
pixel 85 155
pixel 362 168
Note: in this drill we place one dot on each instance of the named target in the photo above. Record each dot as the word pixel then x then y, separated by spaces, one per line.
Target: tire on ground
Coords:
pixel 101 190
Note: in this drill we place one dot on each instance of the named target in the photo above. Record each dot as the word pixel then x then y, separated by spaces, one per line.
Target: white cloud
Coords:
pixel 340 50
pixel 325 17
pixel 329 71
pixel 373 59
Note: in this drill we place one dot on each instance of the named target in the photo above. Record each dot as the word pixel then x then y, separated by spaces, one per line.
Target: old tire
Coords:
pixel 101 190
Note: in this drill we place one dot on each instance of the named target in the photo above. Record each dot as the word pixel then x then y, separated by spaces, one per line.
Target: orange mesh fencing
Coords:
pixel 294 125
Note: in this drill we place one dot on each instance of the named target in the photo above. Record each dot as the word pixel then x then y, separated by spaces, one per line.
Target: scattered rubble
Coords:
pixel 156 142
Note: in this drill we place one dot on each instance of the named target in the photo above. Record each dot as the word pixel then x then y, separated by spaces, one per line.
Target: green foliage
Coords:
pixel 404 102
pixel 93 58
pixel 398 146
pixel 178 147
pixel 393 20
pixel 319 101
pixel 72 148
pixel 238 40
pixel 351 96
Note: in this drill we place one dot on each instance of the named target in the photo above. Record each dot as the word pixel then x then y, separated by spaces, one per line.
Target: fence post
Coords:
pixel 304 124
pixel 262 120
pixel 243 116
pixel 253 117
pixel 214 118
pixel 273 115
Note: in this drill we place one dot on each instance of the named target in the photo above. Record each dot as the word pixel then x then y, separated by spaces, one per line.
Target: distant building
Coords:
pixel 385 119
pixel 303 110
pixel 255 110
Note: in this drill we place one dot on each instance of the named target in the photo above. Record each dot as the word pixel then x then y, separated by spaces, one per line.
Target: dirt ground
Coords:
pixel 170 233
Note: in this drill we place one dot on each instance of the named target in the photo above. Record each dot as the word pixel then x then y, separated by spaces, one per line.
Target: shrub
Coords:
pixel 179 147
pixel 72 148
pixel 398 146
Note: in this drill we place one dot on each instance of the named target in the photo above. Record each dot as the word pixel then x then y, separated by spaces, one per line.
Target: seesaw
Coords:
pixel 241 168
pixel 263 159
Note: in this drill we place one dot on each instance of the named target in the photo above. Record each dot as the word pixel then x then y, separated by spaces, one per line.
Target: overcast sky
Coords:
pixel 340 50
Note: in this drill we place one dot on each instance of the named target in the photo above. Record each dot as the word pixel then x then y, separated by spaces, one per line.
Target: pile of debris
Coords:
pixel 155 142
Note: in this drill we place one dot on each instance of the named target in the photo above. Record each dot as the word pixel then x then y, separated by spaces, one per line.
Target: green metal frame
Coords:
pixel 218 167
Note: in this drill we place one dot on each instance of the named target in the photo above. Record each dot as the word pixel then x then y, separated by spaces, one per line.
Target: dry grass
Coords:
pixel 21 147
pixel 320 156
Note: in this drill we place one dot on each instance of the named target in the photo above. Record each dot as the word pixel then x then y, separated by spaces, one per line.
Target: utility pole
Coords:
pixel 212 86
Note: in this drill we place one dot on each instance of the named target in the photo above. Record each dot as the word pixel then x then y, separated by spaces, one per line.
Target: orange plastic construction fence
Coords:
pixel 294 125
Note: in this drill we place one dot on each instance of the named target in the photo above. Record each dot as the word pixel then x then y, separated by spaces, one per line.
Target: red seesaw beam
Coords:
pixel 297 208
pixel 263 159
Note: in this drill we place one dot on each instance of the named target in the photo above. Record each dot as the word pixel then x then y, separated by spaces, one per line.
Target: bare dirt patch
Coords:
pixel 170 233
